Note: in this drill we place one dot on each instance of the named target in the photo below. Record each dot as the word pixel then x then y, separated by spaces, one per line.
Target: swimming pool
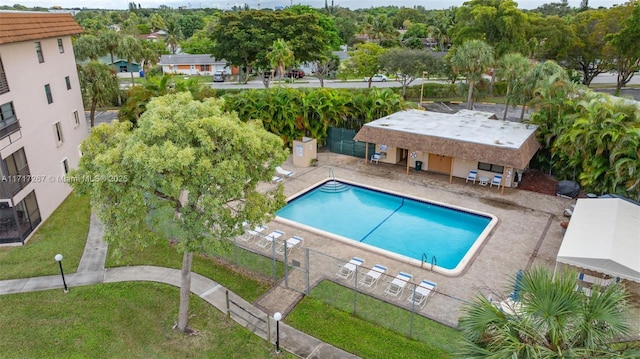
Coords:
pixel 393 224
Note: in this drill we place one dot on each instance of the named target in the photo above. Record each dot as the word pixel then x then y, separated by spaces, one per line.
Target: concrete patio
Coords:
pixel 528 234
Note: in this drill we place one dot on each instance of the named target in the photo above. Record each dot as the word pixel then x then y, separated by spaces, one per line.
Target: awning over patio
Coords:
pixel 469 135
pixel 604 236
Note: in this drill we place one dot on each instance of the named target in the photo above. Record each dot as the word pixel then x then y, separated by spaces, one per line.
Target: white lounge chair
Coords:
pixel 375 157
pixel 496 181
pixel 289 245
pixel 421 293
pixel 251 234
pixel 276 179
pixel 597 281
pixel 282 171
pixel 397 285
pixel 267 240
pixel 370 279
pixel 472 176
pixel 346 271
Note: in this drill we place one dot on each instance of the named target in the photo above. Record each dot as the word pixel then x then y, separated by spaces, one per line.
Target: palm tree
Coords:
pixel 379 28
pixel 552 320
pixel 536 75
pixel 473 59
pixel 174 34
pixel 109 42
pixel 99 85
pixel 130 49
pixel 86 47
pixel 280 56
pixel 511 68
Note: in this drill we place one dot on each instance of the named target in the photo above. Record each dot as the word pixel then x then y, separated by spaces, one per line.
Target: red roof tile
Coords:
pixel 27 26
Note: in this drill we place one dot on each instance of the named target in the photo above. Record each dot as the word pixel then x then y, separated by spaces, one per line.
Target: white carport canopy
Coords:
pixel 604 236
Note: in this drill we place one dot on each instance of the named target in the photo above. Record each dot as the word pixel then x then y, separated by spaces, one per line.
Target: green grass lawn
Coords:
pixel 64 232
pixel 120 320
pixel 115 315
pixel 326 315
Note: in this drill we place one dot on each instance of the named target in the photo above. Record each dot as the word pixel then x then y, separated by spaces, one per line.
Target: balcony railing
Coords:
pixel 9 129
pixel 10 185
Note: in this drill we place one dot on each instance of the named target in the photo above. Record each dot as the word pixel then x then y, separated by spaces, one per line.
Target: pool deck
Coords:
pixel 528 234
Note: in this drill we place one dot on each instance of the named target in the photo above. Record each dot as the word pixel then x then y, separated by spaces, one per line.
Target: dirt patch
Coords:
pixel 537 181
pixel 499 203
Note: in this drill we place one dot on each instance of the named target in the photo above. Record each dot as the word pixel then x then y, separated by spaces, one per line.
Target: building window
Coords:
pixel 65 166
pixel 47 90
pixel 76 118
pixel 57 129
pixel 60 46
pixel 205 67
pixel 4 85
pixel 68 81
pixel 7 114
pixel 490 167
pixel 39 52
pixel 123 68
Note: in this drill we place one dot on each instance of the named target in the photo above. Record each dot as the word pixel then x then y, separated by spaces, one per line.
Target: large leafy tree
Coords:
pixel 364 60
pixel 472 59
pixel 325 66
pixel 99 85
pixel 499 23
pixel 588 53
pixel 189 165
pixel 243 38
pixel 549 37
pixel 551 320
pixel 625 44
pixel 407 64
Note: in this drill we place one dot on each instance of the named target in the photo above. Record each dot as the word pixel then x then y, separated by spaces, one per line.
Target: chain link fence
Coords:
pixel 367 291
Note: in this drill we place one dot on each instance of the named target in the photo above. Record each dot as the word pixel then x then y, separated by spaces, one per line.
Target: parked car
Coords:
pixel 377 78
pixel 219 76
pixel 295 73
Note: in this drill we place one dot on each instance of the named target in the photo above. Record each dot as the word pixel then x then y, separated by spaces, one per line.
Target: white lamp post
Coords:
pixel 58 259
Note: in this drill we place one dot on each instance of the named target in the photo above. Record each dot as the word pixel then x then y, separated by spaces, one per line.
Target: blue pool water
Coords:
pixel 393 223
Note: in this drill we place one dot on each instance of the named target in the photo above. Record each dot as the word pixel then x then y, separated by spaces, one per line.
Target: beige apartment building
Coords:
pixel 42 119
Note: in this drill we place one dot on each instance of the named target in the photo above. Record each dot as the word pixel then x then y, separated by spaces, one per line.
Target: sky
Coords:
pixel 225 4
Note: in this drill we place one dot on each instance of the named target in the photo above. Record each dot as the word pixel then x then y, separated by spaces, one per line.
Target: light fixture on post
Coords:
pixel 58 259
pixel 277 316
pixel 424 74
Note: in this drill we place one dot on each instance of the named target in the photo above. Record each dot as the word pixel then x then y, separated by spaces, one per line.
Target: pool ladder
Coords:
pixel 425 259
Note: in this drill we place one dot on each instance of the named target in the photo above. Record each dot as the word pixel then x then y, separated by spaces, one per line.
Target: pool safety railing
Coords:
pixel 425 259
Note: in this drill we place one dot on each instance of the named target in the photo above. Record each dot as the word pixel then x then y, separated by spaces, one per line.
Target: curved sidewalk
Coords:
pixel 91 271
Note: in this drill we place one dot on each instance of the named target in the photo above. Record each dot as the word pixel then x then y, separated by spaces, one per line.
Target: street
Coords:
pixel 313 82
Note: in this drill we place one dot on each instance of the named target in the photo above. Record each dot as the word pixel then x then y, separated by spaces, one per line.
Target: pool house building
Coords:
pixel 453 144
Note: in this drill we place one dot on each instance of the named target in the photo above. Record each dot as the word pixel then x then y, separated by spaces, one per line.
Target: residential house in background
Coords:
pixel 187 64
pixel 42 119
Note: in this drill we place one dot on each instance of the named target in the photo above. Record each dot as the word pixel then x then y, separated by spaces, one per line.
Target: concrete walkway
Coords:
pixel 91 270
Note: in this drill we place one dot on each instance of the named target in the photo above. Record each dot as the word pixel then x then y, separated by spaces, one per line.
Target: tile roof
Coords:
pixel 26 26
